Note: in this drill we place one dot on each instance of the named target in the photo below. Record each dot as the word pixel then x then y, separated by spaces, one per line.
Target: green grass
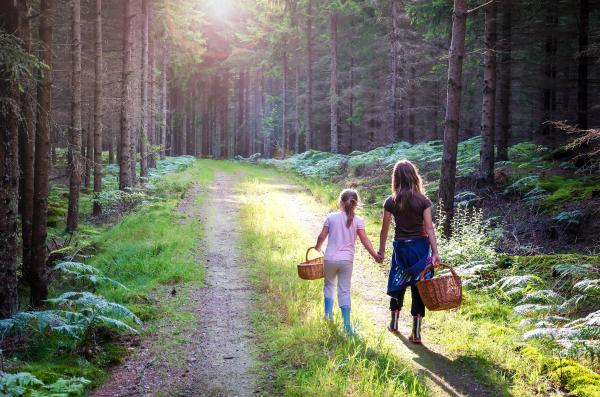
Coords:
pixel 485 334
pixel 306 355
pixel 149 248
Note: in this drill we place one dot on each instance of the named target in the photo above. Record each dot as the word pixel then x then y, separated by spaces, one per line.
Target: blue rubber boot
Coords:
pixel 328 309
pixel 346 316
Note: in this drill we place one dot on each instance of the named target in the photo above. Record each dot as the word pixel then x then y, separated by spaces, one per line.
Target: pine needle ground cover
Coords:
pixel 147 250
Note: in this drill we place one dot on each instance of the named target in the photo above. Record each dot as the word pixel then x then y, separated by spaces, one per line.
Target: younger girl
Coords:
pixel 342 227
pixel 415 245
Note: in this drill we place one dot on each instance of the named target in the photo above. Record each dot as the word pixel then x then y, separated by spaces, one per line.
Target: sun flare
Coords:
pixel 219 8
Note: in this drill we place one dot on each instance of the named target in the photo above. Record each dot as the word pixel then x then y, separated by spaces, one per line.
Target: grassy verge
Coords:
pixel 485 335
pixel 305 355
pixel 149 248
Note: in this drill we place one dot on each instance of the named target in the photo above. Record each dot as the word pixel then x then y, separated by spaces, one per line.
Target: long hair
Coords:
pixel 350 199
pixel 407 185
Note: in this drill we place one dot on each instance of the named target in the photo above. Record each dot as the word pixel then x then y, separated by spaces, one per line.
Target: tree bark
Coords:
pixel 453 108
pixel 240 143
pixel 412 103
pixel 75 168
pixel 549 86
pixel 144 89
pixel 284 130
pixel 216 141
pixel 37 277
pixel 309 44
pixel 334 113
pixel 504 85
pixel 297 129
pixel 488 106
pixel 98 105
pixel 125 177
pixel 26 141
pixel 163 122
pixel 583 62
pixel 395 41
pixel 9 176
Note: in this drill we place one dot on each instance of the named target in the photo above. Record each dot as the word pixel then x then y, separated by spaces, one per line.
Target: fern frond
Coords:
pixel 542 296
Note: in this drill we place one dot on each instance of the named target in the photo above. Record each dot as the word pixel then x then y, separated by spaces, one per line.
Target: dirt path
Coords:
pixel 441 374
pixel 206 348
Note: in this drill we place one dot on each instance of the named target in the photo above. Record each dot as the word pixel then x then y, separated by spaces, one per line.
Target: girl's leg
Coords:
pixel 397 299
pixel 329 289
pixel 344 282
pixel 396 302
pixel 417 307
pixel 418 312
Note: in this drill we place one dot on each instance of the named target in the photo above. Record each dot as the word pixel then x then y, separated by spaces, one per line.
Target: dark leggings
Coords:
pixel 397 300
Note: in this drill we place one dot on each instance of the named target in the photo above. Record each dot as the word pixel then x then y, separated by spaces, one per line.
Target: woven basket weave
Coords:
pixel 311 269
pixel 441 293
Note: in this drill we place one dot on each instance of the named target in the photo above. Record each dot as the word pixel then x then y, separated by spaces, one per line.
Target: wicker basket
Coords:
pixel 311 269
pixel 441 293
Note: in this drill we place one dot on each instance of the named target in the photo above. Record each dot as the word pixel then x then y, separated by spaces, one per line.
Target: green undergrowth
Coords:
pixel 530 172
pixel 304 354
pixel 149 248
pixel 486 334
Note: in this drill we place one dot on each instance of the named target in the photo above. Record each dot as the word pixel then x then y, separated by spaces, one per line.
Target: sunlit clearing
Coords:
pixel 219 8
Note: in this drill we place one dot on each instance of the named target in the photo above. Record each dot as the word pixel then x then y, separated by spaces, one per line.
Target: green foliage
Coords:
pixel 27 385
pixel 16 64
pixel 87 273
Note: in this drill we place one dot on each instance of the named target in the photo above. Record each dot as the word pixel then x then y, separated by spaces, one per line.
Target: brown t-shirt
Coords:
pixel 409 221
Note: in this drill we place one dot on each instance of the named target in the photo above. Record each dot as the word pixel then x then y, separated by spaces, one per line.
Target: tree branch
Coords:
pixel 479 7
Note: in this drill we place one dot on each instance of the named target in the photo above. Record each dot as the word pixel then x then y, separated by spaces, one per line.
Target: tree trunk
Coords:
pixel 163 121
pixel 583 61
pixel 453 107
pixel 125 177
pixel 505 81
pixel 216 141
pixel 37 277
pixel 26 141
pixel 297 128
pixel 284 130
pixel 75 168
pixel 488 106
pixel 334 113
pixel 9 176
pixel 98 106
pixel 395 41
pixel 89 151
pixel 412 103
pixel 550 49
pixel 351 106
pixel 309 44
pixel 144 89
pixel 240 147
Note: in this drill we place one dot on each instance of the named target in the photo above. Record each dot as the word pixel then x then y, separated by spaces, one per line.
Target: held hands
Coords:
pixel 379 257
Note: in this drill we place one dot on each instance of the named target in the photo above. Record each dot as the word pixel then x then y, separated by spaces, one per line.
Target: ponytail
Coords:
pixel 349 197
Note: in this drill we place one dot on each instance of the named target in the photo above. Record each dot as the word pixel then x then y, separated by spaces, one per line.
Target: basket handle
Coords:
pixel 308 250
pixel 429 267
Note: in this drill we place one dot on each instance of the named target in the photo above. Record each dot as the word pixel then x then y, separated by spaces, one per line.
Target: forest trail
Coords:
pixel 211 353
pixel 440 373
pixel 214 356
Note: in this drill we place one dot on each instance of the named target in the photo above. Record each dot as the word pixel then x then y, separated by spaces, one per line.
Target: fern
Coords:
pixel 542 296
pixel 521 282
pixel 26 384
pixel 88 273
pixel 588 287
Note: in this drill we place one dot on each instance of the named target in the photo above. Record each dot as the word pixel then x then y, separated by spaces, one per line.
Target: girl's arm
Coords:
pixel 364 239
pixel 322 237
pixel 427 219
pixel 385 227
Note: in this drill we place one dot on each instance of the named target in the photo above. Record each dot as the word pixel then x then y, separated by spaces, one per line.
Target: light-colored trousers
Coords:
pixel 343 271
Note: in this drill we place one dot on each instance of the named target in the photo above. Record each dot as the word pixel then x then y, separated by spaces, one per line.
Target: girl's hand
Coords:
pixel 436 260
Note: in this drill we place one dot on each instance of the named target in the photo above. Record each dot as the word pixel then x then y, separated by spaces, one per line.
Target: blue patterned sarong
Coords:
pixel 409 259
